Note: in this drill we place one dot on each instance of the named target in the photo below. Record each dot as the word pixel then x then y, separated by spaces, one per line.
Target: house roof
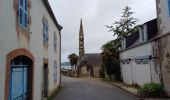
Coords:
pixel 48 7
pixel 93 58
pixel 133 39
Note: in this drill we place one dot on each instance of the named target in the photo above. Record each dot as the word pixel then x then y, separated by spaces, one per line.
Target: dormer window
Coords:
pixel 143 33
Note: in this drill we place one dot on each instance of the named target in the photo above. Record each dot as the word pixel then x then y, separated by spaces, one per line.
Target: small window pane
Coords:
pixel 26 21
pixel 20 16
pixel 21 3
pixel 26 5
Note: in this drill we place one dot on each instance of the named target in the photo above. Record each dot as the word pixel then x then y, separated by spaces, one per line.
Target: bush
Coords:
pixel 152 87
pixel 152 90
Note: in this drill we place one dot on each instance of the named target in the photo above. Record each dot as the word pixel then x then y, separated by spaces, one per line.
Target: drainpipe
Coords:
pixel 150 58
pixel 60 57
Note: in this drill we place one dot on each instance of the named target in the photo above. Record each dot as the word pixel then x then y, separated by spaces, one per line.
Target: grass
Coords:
pixel 56 91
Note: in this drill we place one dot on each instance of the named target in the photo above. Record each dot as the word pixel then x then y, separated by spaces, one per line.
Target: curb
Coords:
pixel 124 89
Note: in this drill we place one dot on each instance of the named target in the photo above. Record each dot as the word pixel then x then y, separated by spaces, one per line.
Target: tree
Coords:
pixel 126 25
pixel 73 60
pixel 110 57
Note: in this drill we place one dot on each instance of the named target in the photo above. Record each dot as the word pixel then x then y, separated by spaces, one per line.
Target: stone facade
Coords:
pixel 163 42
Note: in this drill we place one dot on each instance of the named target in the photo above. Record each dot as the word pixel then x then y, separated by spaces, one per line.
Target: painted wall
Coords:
pixel 9 42
pixel 133 73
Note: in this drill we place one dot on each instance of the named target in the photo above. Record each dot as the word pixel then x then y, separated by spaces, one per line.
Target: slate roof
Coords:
pixel 94 59
pixel 133 39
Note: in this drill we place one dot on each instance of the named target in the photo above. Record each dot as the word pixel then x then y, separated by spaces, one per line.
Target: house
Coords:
pixel 162 44
pixel 93 64
pixel 29 50
pixel 136 56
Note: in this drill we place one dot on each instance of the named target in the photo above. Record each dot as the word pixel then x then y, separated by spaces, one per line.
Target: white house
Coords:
pixel 29 50
pixel 163 41
pixel 137 66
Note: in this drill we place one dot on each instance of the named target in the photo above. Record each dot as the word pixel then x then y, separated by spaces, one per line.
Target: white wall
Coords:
pixel 138 73
pixel 9 42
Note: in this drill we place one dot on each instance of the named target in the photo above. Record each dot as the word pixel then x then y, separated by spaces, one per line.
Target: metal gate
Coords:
pixel 19 82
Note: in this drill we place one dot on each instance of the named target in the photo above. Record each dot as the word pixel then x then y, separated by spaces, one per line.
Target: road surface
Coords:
pixel 90 89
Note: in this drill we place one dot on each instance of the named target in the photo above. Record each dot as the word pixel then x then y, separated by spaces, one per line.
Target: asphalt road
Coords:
pixel 91 89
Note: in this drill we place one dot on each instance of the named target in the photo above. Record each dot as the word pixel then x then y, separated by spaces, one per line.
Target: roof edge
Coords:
pixel 48 7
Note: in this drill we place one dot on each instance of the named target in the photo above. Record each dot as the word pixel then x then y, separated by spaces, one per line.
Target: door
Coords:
pixel 45 80
pixel 19 80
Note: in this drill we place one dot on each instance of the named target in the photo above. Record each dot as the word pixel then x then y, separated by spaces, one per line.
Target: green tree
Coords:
pixel 73 58
pixel 110 57
pixel 126 25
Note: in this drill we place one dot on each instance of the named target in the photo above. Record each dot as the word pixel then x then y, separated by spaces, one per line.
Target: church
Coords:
pixel 89 63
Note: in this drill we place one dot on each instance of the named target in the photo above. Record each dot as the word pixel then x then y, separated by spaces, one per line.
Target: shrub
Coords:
pixel 152 90
pixel 152 87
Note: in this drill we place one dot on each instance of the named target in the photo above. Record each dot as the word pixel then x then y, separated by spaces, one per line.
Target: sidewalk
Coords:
pixel 128 88
pixel 133 90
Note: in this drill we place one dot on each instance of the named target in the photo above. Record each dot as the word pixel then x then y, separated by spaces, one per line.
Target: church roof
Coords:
pixel 93 59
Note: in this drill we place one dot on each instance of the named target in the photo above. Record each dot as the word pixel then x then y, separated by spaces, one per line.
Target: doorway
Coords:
pixel 20 75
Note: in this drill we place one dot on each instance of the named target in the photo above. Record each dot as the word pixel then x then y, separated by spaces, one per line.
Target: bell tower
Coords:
pixel 81 41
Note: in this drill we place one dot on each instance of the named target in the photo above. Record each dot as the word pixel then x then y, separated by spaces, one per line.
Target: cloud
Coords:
pixel 95 14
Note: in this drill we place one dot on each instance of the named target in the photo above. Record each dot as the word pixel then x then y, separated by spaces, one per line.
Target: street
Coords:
pixel 90 89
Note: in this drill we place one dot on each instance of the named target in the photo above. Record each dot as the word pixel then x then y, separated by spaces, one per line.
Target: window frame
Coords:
pixel 45 30
pixel 23 14
pixel 55 72
pixel 168 7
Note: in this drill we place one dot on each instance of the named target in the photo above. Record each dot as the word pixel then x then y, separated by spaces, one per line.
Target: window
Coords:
pixel 138 61
pixel 145 61
pixel 127 62
pixel 55 42
pixel 169 7
pixel 23 13
pixel 55 72
pixel 45 31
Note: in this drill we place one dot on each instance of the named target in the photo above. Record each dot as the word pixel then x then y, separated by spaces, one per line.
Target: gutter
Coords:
pixel 60 57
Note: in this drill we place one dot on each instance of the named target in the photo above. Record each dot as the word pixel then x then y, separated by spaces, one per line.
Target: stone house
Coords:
pixel 29 49
pixel 93 60
pixel 162 44
pixel 137 58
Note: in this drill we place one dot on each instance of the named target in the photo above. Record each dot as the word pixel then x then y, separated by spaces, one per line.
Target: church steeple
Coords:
pixel 81 41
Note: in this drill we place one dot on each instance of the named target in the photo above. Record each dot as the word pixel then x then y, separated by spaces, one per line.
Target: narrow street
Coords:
pixel 90 89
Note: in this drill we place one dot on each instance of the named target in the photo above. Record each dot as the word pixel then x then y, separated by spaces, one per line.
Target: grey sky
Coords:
pixel 96 14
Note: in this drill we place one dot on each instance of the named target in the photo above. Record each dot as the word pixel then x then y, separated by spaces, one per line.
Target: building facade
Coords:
pixel 29 50
pixel 163 42
pixel 137 58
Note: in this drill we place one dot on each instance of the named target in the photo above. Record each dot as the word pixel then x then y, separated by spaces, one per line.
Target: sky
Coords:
pixel 95 14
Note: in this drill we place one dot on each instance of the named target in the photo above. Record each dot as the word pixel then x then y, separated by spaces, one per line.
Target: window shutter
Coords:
pixel 169 7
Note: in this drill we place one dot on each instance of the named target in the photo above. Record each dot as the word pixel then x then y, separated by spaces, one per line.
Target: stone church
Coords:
pixel 89 63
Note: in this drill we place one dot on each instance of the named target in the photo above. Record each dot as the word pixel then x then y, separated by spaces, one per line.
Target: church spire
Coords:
pixel 81 41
